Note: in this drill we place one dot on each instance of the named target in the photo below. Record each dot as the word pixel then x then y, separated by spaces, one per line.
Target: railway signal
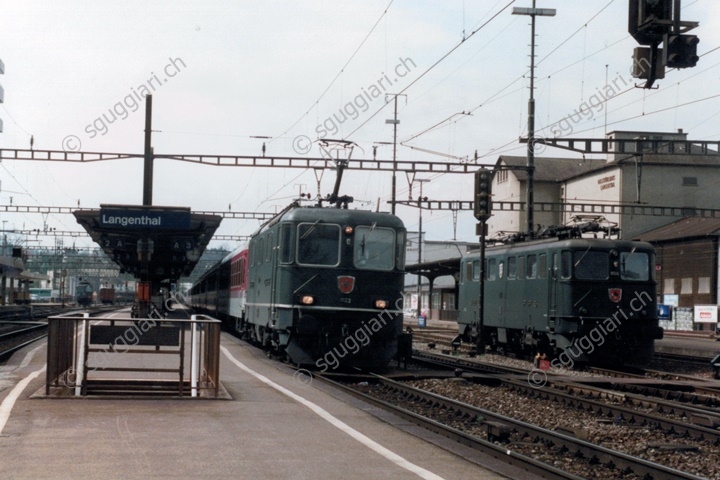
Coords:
pixel 656 22
pixel 681 51
pixel 483 193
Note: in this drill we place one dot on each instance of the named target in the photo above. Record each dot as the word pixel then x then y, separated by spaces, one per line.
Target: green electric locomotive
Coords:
pixel 577 300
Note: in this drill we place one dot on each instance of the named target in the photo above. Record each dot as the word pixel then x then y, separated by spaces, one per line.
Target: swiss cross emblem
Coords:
pixel 615 294
pixel 346 284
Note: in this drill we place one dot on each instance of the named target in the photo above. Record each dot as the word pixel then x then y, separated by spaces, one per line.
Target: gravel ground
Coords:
pixel 698 457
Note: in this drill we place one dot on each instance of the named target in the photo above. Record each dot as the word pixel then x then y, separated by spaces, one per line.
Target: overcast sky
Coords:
pixel 222 73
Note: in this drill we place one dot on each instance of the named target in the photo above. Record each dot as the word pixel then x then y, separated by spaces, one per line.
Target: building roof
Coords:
pixel 688 227
pixel 552 169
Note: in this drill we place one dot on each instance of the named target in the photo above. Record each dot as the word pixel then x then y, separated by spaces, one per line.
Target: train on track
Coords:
pixel 579 301
pixel 84 293
pixel 319 286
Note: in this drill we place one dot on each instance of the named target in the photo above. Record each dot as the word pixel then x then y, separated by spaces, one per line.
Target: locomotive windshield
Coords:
pixel 594 265
pixel 634 266
pixel 318 244
pixel 591 265
pixel 374 248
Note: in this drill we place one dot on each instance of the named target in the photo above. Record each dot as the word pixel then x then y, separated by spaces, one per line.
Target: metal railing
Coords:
pixel 93 356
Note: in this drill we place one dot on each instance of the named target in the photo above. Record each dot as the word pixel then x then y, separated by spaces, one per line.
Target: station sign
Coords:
pixel 182 244
pixel 144 219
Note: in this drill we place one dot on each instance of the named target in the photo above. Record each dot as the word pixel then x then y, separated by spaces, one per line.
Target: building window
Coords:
pixel 502 176
pixel 704 285
pixel 689 181
pixel 669 287
pixel 686 286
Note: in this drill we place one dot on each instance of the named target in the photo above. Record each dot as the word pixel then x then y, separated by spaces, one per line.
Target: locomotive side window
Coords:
pixel 531 266
pixel 374 248
pixel 634 266
pixel 468 272
pixel 521 267
pixel 491 269
pixel 590 265
pixel 512 267
pixel 260 251
pixel 476 271
pixel 318 244
pixel 566 264
pixel 269 247
pixel 287 241
pixel 501 269
pixel 542 266
pixel 400 246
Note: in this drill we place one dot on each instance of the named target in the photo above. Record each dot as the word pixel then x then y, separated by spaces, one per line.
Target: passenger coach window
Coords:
pixel 374 248
pixel 318 244
pixel 591 265
pixel 287 241
pixel 634 266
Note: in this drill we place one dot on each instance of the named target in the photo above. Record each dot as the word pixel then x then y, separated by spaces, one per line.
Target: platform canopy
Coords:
pixel 156 244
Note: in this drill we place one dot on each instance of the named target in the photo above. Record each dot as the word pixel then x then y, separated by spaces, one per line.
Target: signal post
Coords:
pixel 482 209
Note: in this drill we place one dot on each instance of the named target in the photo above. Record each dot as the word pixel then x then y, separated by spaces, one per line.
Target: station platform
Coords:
pixel 270 425
pixel 696 345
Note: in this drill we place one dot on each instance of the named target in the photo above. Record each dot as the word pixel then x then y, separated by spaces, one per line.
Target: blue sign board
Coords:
pixel 144 219
pixel 663 311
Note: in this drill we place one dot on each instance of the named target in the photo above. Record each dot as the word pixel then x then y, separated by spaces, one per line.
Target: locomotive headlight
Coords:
pixel 381 304
pixel 348 230
pixel 307 299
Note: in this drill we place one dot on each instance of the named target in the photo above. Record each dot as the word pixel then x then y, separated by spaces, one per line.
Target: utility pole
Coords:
pixel 394 121
pixel 148 164
pixel 2 92
pixel 420 232
pixel 533 12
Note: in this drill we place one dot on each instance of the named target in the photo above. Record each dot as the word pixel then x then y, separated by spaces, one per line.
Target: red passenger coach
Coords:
pixel 238 285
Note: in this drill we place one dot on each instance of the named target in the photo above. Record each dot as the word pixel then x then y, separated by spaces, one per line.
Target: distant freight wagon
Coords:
pixel 107 295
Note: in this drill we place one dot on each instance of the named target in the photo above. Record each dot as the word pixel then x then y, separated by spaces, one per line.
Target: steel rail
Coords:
pixel 574 446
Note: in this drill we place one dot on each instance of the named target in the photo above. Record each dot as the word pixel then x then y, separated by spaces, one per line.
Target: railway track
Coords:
pixel 690 420
pixel 19 336
pixel 506 438
pixel 18 331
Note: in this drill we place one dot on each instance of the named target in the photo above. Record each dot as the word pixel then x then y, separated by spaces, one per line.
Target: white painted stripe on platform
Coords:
pixel 324 414
pixel 7 405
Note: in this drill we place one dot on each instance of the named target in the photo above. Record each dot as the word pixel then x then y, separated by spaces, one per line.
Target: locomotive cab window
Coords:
pixel 591 265
pixel 634 266
pixel 287 242
pixel 318 244
pixel 374 248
